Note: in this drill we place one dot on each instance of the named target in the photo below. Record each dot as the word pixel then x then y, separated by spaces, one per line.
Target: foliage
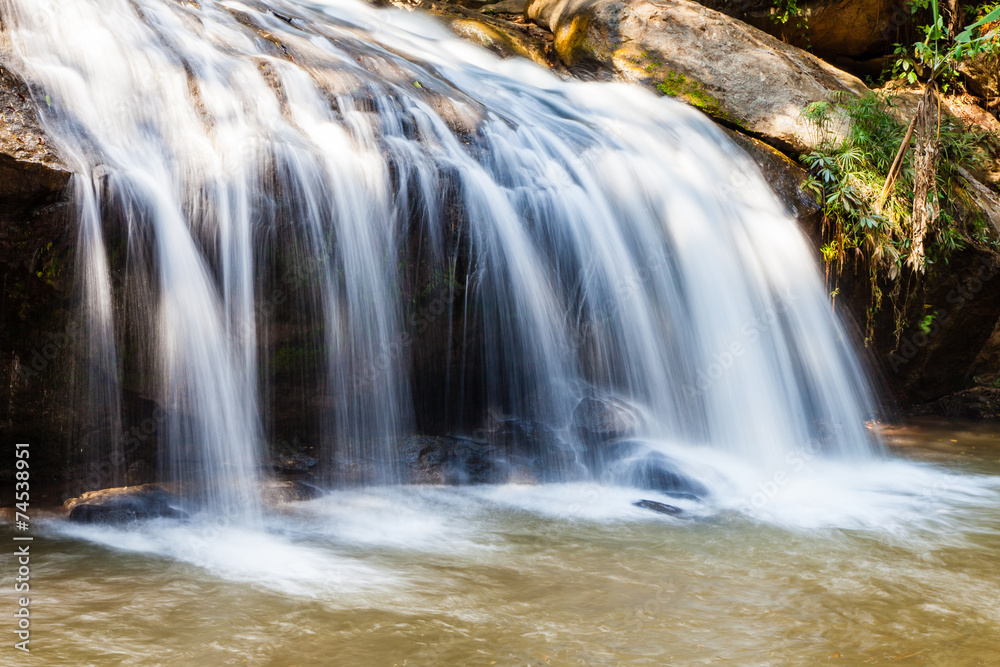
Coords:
pixel 847 176
pixel 788 12
pixel 935 59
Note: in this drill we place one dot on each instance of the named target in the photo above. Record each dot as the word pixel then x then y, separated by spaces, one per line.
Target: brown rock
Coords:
pixel 732 71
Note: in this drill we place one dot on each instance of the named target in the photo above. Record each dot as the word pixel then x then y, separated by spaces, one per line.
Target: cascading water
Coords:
pixel 262 185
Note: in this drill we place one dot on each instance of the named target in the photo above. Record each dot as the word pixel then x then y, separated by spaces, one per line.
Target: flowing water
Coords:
pixel 891 563
pixel 588 241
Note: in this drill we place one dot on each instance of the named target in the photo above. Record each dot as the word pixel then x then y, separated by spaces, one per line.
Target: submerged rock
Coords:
pixel 125 504
pixel 661 508
pixel 452 460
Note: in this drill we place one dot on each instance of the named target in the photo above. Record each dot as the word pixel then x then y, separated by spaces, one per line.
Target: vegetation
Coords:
pixel 788 13
pixel 847 177
pixel 678 85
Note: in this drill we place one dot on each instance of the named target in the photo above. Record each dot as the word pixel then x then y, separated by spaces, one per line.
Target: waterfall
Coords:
pixel 409 231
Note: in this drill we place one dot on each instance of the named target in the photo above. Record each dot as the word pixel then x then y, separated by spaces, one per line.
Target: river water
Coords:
pixel 892 562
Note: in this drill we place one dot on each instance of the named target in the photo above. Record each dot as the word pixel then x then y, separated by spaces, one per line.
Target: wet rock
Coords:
pixel 660 508
pixel 452 460
pixel 293 463
pixel 652 470
pixel 289 491
pixel 30 170
pixel 505 38
pixel 124 505
pixel 786 178
pixel 732 71
pixel 37 242
pixel 599 419
pixel 505 7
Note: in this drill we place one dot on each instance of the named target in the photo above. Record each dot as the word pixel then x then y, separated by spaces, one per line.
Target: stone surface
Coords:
pixel 786 178
pixel 37 238
pixel 830 28
pixel 124 505
pixel 659 508
pixel 734 72
pixel 605 419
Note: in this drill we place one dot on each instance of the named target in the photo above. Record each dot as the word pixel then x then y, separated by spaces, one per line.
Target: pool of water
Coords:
pixel 893 562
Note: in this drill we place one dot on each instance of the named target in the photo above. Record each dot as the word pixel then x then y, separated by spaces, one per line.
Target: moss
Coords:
pixel 678 85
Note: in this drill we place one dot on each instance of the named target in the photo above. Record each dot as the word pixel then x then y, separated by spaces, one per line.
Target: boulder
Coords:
pixel 125 504
pixel 605 419
pixel 638 466
pixel 734 72
pixel 450 460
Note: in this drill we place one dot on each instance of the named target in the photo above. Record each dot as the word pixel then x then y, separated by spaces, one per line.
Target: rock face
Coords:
pixel 36 258
pixel 786 178
pixel 850 28
pixel 953 309
pixel 982 77
pixel 732 71
pixel 124 505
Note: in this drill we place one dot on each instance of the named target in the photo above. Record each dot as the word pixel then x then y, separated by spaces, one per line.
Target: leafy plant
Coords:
pixel 847 174
pixel 788 13
pixel 936 57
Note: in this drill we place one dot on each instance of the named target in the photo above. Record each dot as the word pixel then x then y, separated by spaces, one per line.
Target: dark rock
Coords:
pixel 827 27
pixel 786 178
pixel 661 508
pixel 605 419
pixel 125 504
pixel 652 470
pixel 978 403
pixel 293 463
pixel 451 460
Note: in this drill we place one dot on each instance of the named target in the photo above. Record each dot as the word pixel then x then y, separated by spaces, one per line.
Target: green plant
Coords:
pixel 847 173
pixel 788 14
pixel 935 59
